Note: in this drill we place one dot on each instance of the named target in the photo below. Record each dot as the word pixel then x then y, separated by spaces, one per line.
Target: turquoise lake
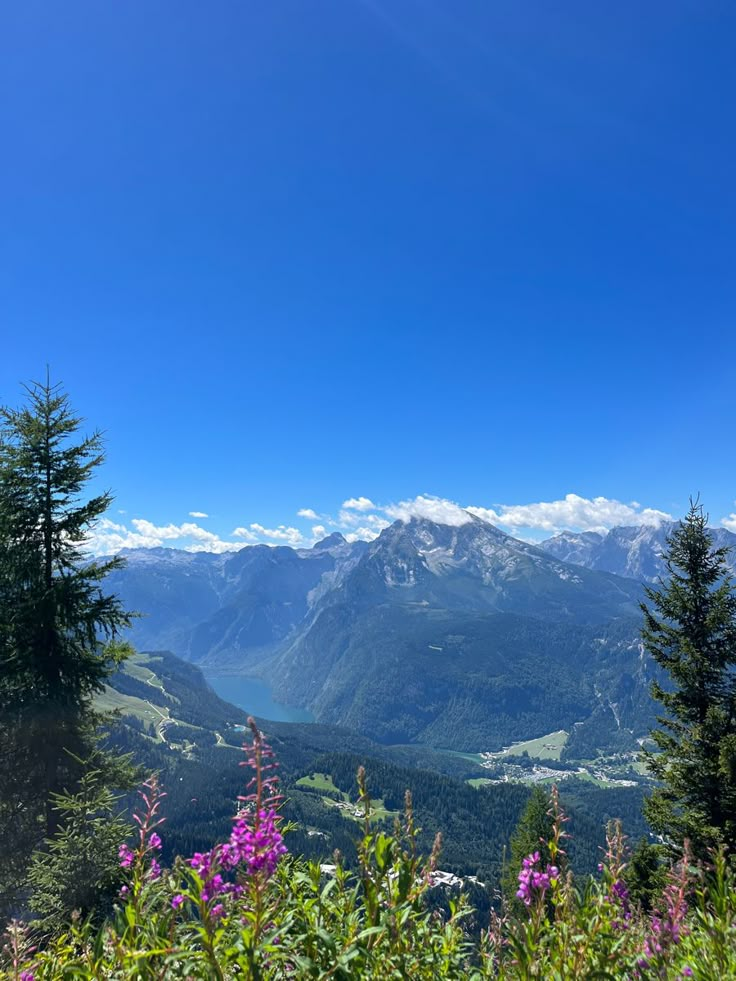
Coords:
pixel 254 696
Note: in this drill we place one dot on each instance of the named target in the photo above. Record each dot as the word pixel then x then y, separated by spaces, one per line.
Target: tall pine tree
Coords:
pixel 58 627
pixel 690 631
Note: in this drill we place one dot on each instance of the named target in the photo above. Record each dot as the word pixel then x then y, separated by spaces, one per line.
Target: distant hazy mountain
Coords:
pixel 452 635
pixel 200 604
pixel 635 552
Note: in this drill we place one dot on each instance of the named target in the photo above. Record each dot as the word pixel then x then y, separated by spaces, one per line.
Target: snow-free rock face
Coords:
pixel 635 552
pixel 475 566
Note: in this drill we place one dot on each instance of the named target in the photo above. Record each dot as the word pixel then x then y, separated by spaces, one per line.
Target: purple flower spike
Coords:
pixel 534 882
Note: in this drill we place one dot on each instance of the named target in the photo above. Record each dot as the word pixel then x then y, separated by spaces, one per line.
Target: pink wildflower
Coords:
pixel 535 882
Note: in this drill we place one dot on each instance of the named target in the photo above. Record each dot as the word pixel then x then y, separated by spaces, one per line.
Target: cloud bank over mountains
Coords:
pixel 361 518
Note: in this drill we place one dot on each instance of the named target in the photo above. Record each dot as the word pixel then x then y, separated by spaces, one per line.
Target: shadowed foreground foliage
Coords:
pixel 247 909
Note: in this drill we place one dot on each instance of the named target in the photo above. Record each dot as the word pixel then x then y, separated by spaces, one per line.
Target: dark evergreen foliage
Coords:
pixel 530 835
pixel 646 874
pixel 80 870
pixel 690 631
pixel 58 627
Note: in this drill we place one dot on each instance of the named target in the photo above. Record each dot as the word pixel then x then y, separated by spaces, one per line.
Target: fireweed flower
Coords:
pixel 201 862
pixel 668 926
pixel 154 841
pixel 533 882
pixel 126 856
pixel 177 901
pixel 263 786
pixel 618 895
pixel 255 844
pixel 619 891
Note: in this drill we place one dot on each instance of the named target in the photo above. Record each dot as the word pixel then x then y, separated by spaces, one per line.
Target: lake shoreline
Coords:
pixel 255 696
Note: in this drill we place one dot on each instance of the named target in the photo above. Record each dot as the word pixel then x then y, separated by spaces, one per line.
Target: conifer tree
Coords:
pixel 530 835
pixel 690 631
pixel 646 874
pixel 58 627
pixel 80 872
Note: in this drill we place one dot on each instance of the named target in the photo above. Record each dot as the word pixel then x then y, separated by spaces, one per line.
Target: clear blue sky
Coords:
pixel 291 252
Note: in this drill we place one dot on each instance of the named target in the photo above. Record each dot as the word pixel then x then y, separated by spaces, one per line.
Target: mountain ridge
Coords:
pixel 633 551
pixel 456 635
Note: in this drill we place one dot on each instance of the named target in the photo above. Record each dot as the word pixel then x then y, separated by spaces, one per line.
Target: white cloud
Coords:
pixel 245 533
pixel 205 541
pixel 109 537
pixel 357 521
pixel 198 514
pixel 359 504
pixel 365 534
pixel 160 532
pixel 349 519
pixel 729 522
pixel 307 513
pixel 214 544
pixel 573 513
pixel 434 508
pixel 292 536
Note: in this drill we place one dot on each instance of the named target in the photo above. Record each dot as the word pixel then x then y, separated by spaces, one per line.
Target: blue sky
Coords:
pixel 288 254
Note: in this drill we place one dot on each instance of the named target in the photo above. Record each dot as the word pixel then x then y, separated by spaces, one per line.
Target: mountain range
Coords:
pixel 457 636
pixel 635 552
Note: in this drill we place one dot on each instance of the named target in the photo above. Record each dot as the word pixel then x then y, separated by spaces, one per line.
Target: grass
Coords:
pixel 473 757
pixel 547 747
pixel 379 811
pixel 323 782
pixel 589 778
pixel 141 673
pixel 319 781
pixel 354 812
pixel 110 700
